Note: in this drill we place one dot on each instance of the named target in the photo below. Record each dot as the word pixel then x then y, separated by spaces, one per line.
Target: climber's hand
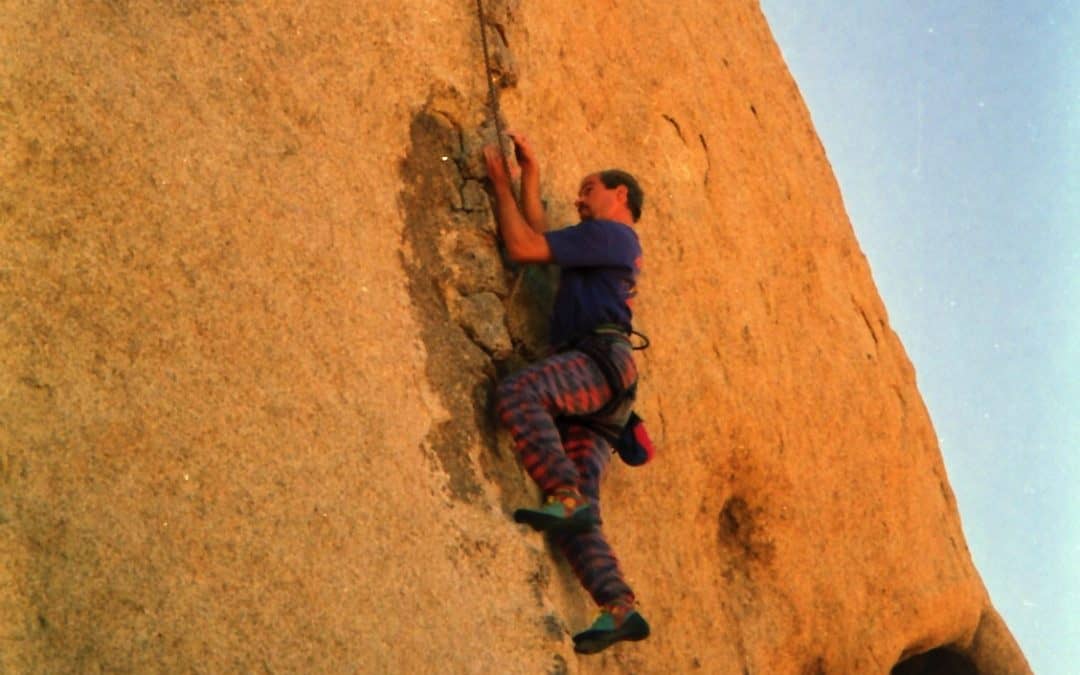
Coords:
pixel 523 151
pixel 496 169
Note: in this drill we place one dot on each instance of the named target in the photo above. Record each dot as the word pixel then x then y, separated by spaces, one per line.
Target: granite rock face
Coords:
pixel 254 308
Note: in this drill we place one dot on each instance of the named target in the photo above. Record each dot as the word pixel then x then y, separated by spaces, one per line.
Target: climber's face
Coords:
pixel 596 201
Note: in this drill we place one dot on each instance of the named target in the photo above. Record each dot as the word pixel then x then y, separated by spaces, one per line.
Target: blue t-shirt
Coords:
pixel 600 261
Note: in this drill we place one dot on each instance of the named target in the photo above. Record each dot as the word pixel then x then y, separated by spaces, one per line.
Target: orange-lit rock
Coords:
pixel 243 426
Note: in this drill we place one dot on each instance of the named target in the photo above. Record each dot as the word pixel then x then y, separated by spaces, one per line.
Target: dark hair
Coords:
pixel 635 198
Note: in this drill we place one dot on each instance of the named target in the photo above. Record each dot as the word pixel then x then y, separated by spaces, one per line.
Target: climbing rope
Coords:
pixel 493 96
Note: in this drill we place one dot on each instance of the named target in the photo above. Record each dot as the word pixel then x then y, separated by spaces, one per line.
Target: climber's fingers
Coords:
pixel 496 168
pixel 523 150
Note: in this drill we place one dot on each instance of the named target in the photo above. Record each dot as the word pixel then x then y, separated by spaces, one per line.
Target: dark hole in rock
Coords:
pixel 940 661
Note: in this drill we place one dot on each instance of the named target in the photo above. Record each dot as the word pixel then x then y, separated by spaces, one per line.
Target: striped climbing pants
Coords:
pixel 537 404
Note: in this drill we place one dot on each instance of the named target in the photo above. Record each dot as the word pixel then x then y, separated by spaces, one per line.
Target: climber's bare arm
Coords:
pixel 531 207
pixel 523 243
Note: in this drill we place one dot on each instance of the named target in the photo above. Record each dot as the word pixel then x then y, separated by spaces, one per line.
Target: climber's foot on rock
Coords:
pixel 617 622
pixel 563 511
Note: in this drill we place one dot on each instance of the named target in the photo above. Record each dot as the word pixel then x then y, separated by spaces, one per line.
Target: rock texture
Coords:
pixel 253 309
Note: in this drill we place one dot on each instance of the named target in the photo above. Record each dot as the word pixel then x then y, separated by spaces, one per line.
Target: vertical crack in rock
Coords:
pixel 533 291
pixel 502 60
pixel 458 280
pixel 456 368
pixel 503 68
pixel 460 291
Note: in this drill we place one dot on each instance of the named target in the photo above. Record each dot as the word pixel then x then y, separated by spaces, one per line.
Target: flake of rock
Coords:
pixel 474 197
pixel 473 262
pixel 484 319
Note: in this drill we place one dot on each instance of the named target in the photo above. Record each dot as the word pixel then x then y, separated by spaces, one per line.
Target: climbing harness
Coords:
pixel 616 421
pixel 616 329
pixel 493 96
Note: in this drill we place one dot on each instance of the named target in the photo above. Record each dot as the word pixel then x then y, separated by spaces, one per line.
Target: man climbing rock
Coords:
pixel 564 410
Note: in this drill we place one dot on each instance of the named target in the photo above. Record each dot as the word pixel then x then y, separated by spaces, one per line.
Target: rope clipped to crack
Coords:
pixel 493 95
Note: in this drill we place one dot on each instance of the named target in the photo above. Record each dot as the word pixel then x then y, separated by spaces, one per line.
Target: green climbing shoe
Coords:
pixel 562 512
pixel 607 630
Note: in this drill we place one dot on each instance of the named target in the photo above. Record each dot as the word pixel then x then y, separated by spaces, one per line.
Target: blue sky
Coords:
pixel 954 132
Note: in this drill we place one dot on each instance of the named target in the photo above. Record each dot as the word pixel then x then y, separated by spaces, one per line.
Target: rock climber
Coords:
pixel 559 409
